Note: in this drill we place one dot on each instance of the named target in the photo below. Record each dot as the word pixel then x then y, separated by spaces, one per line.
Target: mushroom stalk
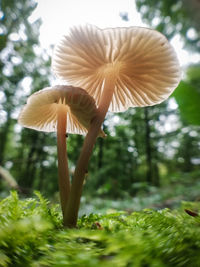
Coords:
pixel 71 212
pixel 63 171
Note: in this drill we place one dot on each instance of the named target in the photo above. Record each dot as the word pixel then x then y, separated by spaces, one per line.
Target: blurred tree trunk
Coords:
pixel 29 169
pixel 10 180
pixel 35 156
pixel 187 153
pixel 4 136
pixel 100 154
pixel 149 177
pixel 101 149
pixel 136 147
pixel 156 178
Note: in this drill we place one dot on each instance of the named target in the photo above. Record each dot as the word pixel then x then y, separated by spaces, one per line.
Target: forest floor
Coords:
pixel 181 188
pixel 119 232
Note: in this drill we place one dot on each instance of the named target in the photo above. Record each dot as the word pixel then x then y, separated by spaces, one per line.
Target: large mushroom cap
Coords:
pixel 146 67
pixel 40 112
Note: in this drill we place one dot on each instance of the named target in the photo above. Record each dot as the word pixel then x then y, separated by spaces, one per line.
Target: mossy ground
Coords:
pixel 31 234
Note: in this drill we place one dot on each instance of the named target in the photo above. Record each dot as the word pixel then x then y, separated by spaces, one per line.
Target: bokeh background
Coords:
pixel 151 156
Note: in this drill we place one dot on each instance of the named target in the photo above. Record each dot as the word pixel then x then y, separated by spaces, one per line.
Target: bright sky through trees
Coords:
pixel 59 15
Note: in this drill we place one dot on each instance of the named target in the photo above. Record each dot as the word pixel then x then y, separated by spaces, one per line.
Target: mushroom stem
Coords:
pixel 63 171
pixel 71 213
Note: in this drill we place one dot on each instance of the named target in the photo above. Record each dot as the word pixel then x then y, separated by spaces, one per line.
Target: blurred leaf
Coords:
pixel 193 74
pixel 188 99
pixel 3 41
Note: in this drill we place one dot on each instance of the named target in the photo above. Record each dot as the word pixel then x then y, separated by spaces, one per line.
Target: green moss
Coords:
pixel 31 235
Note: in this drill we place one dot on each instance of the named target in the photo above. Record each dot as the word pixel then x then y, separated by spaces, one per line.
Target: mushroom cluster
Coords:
pixel 119 68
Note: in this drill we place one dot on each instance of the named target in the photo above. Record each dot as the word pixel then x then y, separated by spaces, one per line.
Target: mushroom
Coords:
pixel 63 109
pixel 120 68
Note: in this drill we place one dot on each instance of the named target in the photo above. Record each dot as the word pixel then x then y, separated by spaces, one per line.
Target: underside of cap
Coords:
pixel 41 111
pixel 144 63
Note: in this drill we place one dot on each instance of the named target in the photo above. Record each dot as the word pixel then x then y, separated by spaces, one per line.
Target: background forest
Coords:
pixel 152 152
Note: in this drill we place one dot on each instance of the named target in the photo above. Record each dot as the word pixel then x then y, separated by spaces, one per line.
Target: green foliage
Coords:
pixel 187 96
pixel 24 228
pixel 188 99
pixel 31 235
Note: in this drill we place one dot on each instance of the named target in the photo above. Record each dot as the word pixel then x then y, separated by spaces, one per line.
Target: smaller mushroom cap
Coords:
pixel 40 112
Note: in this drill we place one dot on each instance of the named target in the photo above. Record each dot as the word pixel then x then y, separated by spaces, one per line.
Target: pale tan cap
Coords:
pixel 40 112
pixel 143 60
